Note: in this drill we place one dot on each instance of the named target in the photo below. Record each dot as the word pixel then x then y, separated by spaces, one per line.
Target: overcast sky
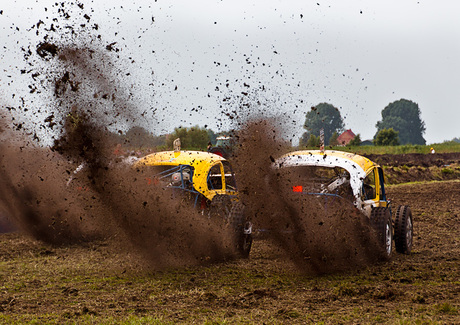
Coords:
pixel 192 57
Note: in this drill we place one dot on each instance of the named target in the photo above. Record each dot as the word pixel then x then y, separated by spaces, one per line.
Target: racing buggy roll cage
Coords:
pixel 365 180
pixel 207 180
pixel 181 178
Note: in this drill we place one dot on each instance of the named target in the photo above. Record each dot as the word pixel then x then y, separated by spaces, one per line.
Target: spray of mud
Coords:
pixel 319 238
pixel 165 230
pixel 106 199
pixel 109 199
pixel 35 199
pixel 86 102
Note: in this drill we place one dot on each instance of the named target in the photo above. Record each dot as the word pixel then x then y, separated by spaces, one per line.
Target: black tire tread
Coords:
pixel 220 206
pixel 380 216
pixel 237 220
pixel 403 213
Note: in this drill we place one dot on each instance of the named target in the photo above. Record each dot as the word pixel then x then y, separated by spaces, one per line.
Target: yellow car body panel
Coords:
pixel 359 167
pixel 365 163
pixel 201 162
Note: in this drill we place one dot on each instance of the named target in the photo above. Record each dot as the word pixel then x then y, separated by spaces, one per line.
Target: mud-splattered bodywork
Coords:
pixel 361 171
pixel 208 181
pixel 201 172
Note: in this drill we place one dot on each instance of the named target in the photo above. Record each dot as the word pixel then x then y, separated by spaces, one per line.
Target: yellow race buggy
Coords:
pixel 207 181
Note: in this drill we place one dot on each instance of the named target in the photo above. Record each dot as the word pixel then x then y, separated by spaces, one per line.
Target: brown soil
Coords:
pixel 417 159
pixel 416 167
pixel 93 283
pixel 108 249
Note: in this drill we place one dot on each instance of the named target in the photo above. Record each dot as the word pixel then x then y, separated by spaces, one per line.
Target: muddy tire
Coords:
pixel 241 229
pixel 381 221
pixel 220 207
pixel 403 229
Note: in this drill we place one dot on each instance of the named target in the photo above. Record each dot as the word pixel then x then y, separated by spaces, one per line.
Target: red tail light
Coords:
pixel 298 188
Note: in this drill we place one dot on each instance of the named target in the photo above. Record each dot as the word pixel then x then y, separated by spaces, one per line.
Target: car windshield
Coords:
pixel 224 142
pixel 181 175
pixel 315 179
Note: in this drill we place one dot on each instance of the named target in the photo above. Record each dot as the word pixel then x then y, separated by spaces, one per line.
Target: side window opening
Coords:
pixel 167 175
pixel 317 179
pixel 177 176
pixel 369 186
pixel 230 182
pixel 215 178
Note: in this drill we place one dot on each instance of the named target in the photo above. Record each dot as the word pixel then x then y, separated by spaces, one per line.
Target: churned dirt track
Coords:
pixel 415 167
pixel 93 283
pixel 417 159
pixel 89 263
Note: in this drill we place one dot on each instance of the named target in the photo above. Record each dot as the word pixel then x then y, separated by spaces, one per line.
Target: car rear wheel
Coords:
pixel 403 229
pixel 381 222
pixel 220 207
pixel 241 228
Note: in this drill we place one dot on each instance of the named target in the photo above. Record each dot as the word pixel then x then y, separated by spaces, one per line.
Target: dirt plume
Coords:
pixel 105 198
pixel 88 103
pixel 318 236
pixel 34 197
pixel 78 190
pixel 166 230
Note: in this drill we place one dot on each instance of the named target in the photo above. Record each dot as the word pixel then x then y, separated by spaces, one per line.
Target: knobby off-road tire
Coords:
pixel 241 229
pixel 381 222
pixel 403 229
pixel 220 207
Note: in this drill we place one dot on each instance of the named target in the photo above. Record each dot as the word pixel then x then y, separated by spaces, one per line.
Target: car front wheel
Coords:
pixel 381 222
pixel 403 229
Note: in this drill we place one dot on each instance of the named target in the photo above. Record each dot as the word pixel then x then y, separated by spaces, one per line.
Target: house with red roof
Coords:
pixel 345 137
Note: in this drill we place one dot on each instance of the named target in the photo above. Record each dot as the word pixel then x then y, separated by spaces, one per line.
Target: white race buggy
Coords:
pixel 343 175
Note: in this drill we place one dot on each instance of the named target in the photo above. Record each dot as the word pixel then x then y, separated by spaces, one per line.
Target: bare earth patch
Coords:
pixel 95 283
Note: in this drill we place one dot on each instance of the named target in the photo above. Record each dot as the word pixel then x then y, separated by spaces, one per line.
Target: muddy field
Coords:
pixel 108 249
pixel 95 283
pixel 414 167
pixel 417 159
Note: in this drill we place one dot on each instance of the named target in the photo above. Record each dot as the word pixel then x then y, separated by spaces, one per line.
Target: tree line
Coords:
pixel 192 138
pixel 400 124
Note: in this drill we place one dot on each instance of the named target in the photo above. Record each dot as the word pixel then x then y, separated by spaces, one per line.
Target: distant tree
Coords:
pixel 194 138
pixel 456 139
pixel 324 116
pixel 403 116
pixel 313 141
pixel 139 137
pixel 387 137
pixel 303 140
pixel 212 136
pixel 356 141
pixel 333 140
